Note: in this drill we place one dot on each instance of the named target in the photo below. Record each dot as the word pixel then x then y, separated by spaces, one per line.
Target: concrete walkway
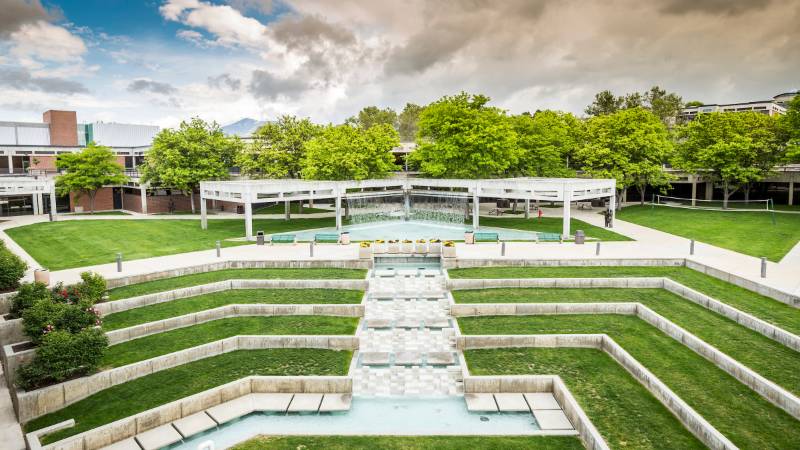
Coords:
pixel 10 432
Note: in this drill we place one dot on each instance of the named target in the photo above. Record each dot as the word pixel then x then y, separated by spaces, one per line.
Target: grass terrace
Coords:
pixel 77 243
pixel 751 233
pixel 203 302
pixel 410 443
pixel 159 388
pixel 182 338
pixel 167 284
pixel 552 225
pixel 765 308
pixel 738 412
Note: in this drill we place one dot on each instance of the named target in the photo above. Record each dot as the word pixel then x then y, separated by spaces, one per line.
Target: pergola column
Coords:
pixel 203 212
pixel 566 219
pixel 10 162
pixel 287 214
pixel 248 217
pixel 476 210
pixel 709 190
pixel 527 208
pixel 407 205
pixel 338 211
pixel 791 193
pixel 35 204
pixel 143 191
pixel 53 211
pixel 694 190
pixel 612 203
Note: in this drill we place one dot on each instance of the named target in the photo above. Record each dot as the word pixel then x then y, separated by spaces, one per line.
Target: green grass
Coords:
pixel 624 412
pixel 182 338
pixel 553 225
pixel 167 284
pixel 751 233
pixel 763 307
pixel 153 390
pixel 203 302
pixel 78 243
pixel 738 412
pixel 410 443
pixel 100 213
pixel 767 357
pixel 294 209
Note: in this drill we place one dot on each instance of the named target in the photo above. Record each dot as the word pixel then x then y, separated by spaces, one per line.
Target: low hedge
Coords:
pixel 12 269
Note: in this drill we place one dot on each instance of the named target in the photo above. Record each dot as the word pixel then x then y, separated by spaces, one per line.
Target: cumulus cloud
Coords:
pixel 16 13
pixel 228 25
pixel 155 87
pixel 713 7
pixel 267 86
pixel 44 41
pixel 19 78
pixel 245 6
pixel 223 80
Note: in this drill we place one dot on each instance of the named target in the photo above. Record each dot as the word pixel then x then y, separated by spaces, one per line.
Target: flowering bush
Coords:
pixel 63 355
pixel 420 241
pixel 435 241
pixel 407 241
pixel 449 244
pixel 365 244
pixel 27 295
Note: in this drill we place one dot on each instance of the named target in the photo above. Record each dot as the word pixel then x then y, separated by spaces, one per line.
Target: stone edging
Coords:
pixel 33 404
pixel 781 296
pixel 108 434
pixel 693 421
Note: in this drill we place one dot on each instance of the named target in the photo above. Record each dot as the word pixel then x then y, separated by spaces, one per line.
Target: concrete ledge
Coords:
pixel 460 263
pixel 11 331
pixel 5 302
pixel 626 282
pixel 163 415
pixel 33 404
pixel 125 304
pixel 505 309
pixel 776 294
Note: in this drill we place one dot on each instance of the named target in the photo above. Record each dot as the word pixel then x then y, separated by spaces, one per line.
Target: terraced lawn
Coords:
pixel 625 413
pixel 203 302
pixel 153 390
pixel 168 284
pixel 410 443
pixel 765 308
pixel 171 341
pixel 739 413
pixel 771 359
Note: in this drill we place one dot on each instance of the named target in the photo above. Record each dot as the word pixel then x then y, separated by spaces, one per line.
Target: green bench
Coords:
pixel 548 237
pixel 282 239
pixel 326 237
pixel 486 237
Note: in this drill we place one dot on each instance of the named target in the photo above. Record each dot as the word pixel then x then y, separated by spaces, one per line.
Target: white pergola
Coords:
pixel 11 186
pixel 247 192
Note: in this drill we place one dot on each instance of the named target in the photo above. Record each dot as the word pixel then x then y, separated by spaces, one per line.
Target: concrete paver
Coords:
pixel 125 444
pixel 277 402
pixel 305 403
pixel 231 410
pixel 511 402
pixel 196 423
pixel 158 437
pixel 542 400
pixel 335 402
pixel 552 419
pixel 480 402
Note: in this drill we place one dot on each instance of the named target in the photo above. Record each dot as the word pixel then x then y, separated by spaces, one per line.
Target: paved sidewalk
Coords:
pixel 10 432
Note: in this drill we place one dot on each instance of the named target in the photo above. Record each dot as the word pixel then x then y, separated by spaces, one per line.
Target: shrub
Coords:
pixel 46 316
pixel 93 287
pixel 27 295
pixel 12 269
pixel 62 355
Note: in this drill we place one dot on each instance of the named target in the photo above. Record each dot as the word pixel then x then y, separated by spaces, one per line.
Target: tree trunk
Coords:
pixel 641 189
pixel 619 200
pixel 514 209
pixel 747 188
pixel 191 199
pixel 300 207
pixel 725 195
pixel 91 200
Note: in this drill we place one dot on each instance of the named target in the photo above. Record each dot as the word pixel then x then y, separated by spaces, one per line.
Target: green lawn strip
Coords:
pixel 159 388
pixel 769 358
pixel 167 284
pixel 77 243
pixel 765 308
pixel 171 341
pixel 100 213
pixel 738 412
pixel 751 233
pixel 410 443
pixel 203 302
pixel 622 410
pixel 552 225
pixel 294 209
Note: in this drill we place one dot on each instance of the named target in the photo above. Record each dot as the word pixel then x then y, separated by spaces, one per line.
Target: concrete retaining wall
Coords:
pixel 460 263
pixel 11 331
pixel 130 426
pixel 522 309
pixel 33 404
pixel 339 264
pixel 175 294
pixel 5 302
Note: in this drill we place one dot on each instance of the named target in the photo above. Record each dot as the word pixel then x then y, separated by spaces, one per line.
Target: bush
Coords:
pixel 46 316
pixel 93 287
pixel 63 355
pixel 12 269
pixel 27 295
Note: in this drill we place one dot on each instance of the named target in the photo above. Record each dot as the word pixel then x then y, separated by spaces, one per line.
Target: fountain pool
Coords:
pixel 414 230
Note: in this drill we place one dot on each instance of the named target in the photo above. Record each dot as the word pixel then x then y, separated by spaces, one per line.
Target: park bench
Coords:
pixel 486 237
pixel 282 239
pixel 326 237
pixel 548 237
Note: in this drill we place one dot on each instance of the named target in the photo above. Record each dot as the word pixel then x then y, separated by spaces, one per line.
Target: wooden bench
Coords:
pixel 548 237
pixel 326 237
pixel 486 237
pixel 282 239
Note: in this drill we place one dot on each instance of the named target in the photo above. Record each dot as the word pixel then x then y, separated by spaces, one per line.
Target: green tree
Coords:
pixel 665 105
pixel 372 115
pixel 734 149
pixel 548 140
pixel 87 171
pixel 461 137
pixel 344 152
pixel 197 151
pixel 408 121
pixel 631 146
pixel 693 104
pixel 791 127
pixel 605 102
pixel 277 149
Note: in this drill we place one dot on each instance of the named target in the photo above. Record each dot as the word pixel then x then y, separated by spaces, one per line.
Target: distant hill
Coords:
pixel 242 128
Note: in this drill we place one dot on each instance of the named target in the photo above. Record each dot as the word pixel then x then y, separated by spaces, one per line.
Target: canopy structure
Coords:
pixel 36 188
pixel 247 192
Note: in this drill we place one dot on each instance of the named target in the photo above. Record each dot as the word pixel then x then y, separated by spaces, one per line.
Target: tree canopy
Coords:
pixel 407 122
pixel 791 128
pixel 344 152
pixel 370 116
pixel 548 141
pixel 630 145
pixel 182 158
pixel 666 106
pixel 460 137
pixel 277 149
pixel 87 171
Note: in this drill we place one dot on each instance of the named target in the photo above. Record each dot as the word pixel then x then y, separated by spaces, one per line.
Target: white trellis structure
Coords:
pixel 36 188
pixel 248 192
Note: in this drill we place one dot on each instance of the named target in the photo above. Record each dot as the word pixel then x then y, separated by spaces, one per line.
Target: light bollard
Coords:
pixel 119 262
pixel 311 249
pixel 597 249
pixel 763 267
pixel 219 249
pixel 503 248
pixel 691 247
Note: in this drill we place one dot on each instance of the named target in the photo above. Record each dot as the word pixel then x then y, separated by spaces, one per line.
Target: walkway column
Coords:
pixel 407 205
pixel 566 219
pixel 248 218
pixel 143 190
pixel 286 210
pixel 35 204
pixel 40 202
pixel 612 203
pixel 476 211
pixel 527 208
pixel 694 191
pixel 791 193
pixel 203 212
pixel 10 162
pixel 709 190
pixel 53 211
pixel 338 212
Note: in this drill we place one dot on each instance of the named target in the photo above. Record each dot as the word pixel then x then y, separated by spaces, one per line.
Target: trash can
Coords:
pixel 239 209
pixel 344 238
pixel 41 276
pixel 469 237
pixel 580 237
pixel 260 238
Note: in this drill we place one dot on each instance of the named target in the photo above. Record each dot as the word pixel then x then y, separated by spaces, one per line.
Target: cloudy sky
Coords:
pixel 161 61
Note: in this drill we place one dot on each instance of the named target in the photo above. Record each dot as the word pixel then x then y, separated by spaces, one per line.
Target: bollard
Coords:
pixel 311 249
pixel 597 249
pixel 119 262
pixel 763 267
pixel 219 249
pixel 691 247
pixel 503 249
